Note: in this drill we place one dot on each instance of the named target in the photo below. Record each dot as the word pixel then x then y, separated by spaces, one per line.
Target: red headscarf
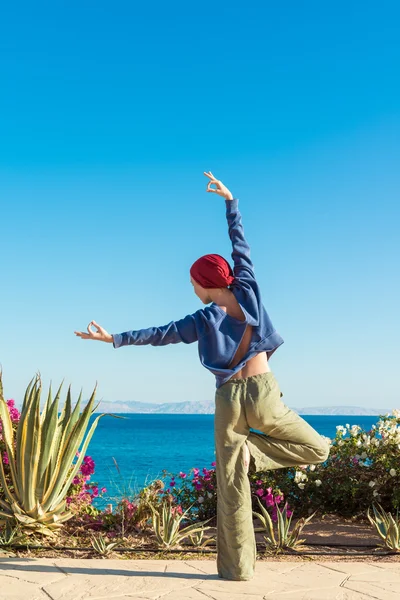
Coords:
pixel 212 271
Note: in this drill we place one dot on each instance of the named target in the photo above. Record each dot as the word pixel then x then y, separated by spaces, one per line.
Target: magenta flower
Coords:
pixel 172 483
pixel 87 467
pixel 182 475
pixel 213 464
pixel 289 513
pixel 76 480
pixel 103 490
pixel 269 500
pixel 278 499
pixel 196 471
pixel 259 492
pixel 95 491
pixel 5 459
pixel 259 482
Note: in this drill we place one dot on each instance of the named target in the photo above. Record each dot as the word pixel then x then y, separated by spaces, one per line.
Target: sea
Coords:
pixel 133 451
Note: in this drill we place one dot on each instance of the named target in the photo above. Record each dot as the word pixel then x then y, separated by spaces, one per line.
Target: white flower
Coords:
pixel 318 482
pixel 372 483
pixel 358 443
pixel 375 493
pixel 341 429
pixel 312 467
pixel 340 443
pixel 396 413
pixel 393 472
pixel 301 485
pixel 200 499
pixel 347 425
pixel 354 430
pixel 299 476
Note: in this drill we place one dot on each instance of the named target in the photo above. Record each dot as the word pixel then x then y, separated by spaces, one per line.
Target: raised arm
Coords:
pixel 240 248
pixel 184 330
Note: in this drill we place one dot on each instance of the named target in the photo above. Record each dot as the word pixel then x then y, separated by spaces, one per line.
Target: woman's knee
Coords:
pixel 322 451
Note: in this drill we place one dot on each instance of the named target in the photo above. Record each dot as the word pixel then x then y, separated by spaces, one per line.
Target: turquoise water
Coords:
pixel 144 445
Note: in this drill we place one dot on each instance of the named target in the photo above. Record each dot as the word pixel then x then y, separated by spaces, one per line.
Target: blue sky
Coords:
pixel 109 114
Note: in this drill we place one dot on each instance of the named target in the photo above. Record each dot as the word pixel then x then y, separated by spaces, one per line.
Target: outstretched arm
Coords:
pixel 183 330
pixel 241 250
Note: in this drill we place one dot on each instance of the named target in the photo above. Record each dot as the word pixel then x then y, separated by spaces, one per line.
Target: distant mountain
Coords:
pixel 189 408
pixel 342 411
pixel 207 407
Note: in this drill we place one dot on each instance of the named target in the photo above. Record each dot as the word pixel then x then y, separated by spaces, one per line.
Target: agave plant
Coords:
pixel 387 527
pixel 166 524
pixel 284 538
pixel 41 458
pixel 197 539
pixel 100 546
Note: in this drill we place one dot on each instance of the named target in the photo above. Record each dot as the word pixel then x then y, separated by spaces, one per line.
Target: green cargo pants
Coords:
pixel 287 440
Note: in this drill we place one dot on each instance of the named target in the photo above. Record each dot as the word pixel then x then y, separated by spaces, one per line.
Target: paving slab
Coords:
pixel 120 579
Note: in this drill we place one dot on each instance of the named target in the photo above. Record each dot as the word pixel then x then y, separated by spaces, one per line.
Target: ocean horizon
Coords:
pixel 133 451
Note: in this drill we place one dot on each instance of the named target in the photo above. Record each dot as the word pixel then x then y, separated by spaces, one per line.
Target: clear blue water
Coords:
pixel 144 445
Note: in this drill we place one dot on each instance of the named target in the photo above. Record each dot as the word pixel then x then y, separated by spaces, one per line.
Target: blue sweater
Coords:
pixel 217 333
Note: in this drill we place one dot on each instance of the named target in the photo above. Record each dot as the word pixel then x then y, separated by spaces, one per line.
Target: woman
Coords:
pixel 235 339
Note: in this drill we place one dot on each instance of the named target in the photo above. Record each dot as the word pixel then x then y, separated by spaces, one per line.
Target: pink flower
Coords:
pixel 10 403
pixel 289 513
pixel 196 471
pixel 5 459
pixel 76 480
pixel 259 482
pixel 278 499
pixel 213 464
pixel 269 500
pixel 87 467
pixel 103 490
pixel 95 491
pixel 260 492
pixel 182 475
pixel 172 483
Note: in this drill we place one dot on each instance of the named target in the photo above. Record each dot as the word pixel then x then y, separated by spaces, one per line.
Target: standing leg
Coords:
pixel 286 440
pixel 236 546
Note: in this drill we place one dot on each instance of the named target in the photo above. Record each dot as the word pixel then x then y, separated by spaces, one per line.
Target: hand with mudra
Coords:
pixel 220 188
pixel 101 335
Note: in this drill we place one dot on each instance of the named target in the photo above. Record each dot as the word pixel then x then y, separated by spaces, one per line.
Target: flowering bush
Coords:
pixel 363 467
pixel 14 416
pixel 198 490
pixel 82 492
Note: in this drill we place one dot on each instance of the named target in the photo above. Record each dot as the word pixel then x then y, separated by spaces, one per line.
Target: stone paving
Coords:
pixel 95 579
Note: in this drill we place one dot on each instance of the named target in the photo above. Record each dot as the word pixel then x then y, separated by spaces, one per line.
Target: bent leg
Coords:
pixel 236 546
pixel 286 440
